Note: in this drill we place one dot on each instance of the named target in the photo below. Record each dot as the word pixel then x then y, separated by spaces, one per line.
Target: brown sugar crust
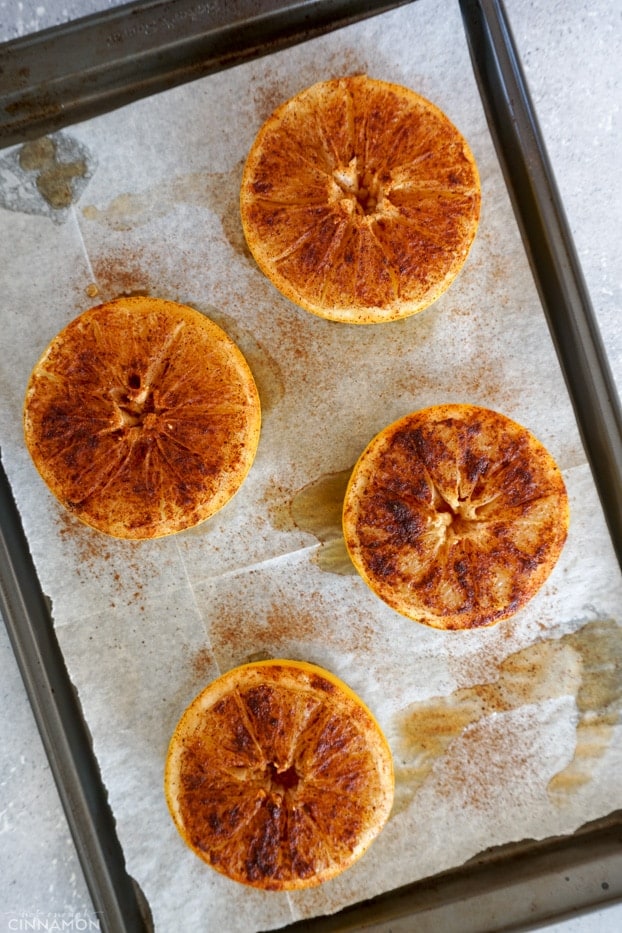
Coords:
pixel 142 417
pixel 360 200
pixel 278 775
pixel 455 516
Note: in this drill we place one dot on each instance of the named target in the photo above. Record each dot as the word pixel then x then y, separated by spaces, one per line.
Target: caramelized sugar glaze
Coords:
pixel 278 775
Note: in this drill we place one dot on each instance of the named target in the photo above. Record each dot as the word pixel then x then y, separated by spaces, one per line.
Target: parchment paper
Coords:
pixel 498 735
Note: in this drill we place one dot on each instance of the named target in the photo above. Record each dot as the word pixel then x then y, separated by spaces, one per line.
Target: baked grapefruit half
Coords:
pixel 142 417
pixel 278 775
pixel 360 200
pixel 455 516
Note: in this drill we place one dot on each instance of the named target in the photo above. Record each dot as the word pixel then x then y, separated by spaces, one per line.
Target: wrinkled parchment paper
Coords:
pixel 498 735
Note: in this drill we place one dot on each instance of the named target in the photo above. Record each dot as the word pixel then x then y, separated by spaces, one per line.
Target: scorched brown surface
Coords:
pixel 455 516
pixel 278 776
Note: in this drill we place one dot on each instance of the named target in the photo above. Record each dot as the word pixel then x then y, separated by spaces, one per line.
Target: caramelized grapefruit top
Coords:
pixel 278 775
pixel 142 417
pixel 455 516
pixel 360 200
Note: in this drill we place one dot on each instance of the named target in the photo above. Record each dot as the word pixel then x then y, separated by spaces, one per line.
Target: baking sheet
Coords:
pixel 144 626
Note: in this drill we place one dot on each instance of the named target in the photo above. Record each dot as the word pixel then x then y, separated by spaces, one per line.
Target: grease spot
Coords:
pixel 599 702
pixel 45 176
pixel 53 178
pixel 258 656
pixel 316 509
pixel 586 664
pixel 218 192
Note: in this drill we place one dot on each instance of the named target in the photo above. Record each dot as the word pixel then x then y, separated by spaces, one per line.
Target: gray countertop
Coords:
pixel 572 55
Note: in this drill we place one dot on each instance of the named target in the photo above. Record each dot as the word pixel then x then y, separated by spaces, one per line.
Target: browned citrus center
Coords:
pixel 362 189
pixel 460 517
pixel 135 407
pixel 285 779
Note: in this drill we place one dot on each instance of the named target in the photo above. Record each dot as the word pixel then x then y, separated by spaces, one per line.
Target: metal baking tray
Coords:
pixel 95 64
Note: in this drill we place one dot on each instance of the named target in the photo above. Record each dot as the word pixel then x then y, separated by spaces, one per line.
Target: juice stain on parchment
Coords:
pixel 316 509
pixel 217 191
pixel 586 664
pixel 45 176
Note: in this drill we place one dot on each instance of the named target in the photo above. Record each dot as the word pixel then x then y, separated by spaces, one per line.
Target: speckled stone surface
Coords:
pixel 572 56
pixel 40 875
pixel 22 17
